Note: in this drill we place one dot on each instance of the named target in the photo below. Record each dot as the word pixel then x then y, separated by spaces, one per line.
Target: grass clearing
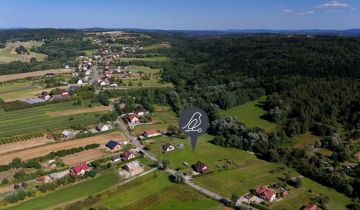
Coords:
pixel 250 114
pixel 69 193
pixel 150 59
pixel 142 69
pixel 301 140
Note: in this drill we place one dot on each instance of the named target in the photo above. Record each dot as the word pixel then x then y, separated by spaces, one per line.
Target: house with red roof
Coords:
pixel 311 206
pixel 133 119
pixel 265 193
pixel 151 133
pixel 79 169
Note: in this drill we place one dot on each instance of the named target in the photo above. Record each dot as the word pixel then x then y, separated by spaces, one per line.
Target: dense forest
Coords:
pixel 312 84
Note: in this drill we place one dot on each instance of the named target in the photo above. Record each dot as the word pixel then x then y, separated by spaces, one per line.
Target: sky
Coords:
pixel 181 14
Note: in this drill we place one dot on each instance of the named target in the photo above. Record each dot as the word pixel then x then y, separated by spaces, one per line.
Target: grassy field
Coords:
pixel 8 53
pixel 143 69
pixel 235 171
pixel 161 121
pixel 157 58
pixel 250 114
pixel 37 119
pixel 17 89
pixel 155 191
pixel 6 56
pixel 70 193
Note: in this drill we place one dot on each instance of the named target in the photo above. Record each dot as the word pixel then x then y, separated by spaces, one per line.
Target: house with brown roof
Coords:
pixel 201 167
pixel 127 155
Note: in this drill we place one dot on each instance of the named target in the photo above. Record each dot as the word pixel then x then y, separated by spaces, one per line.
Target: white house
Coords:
pixel 102 127
pixel 168 147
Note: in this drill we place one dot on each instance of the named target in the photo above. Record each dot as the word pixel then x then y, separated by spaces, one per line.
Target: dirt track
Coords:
pixel 10 77
pixel 83 156
pixel 44 150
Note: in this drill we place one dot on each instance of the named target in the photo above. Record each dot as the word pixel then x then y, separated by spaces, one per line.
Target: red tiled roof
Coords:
pixel 78 168
pixel 150 131
pixel 264 192
pixel 311 206
pixel 132 116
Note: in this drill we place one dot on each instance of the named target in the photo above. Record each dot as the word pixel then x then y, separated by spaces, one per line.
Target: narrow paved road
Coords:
pixel 187 181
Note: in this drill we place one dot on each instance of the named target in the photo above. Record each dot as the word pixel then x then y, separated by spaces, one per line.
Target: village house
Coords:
pixel 201 167
pixel 265 193
pixel 133 119
pixel 67 134
pixel 310 206
pixel 127 155
pixel 113 145
pixel 134 168
pixel 151 133
pixel 116 158
pixel 79 169
pixel 168 147
pixel 102 127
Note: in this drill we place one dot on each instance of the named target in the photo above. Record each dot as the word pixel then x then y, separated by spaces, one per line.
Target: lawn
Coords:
pixel 250 114
pixel 235 171
pixel 83 189
pixel 161 121
pixel 155 191
pixel 39 119
pixel 90 52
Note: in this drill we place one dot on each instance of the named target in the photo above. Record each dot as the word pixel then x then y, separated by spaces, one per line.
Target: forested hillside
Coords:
pixel 312 85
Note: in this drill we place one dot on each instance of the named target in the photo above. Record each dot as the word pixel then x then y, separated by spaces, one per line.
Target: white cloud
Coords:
pixel 287 11
pixel 310 12
pixel 335 5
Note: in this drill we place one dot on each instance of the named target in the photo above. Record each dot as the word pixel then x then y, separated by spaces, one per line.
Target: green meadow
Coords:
pixel 77 191
pixel 155 191
pixel 142 69
pixel 236 171
pixel 250 114
pixel 39 119
pixel 17 89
